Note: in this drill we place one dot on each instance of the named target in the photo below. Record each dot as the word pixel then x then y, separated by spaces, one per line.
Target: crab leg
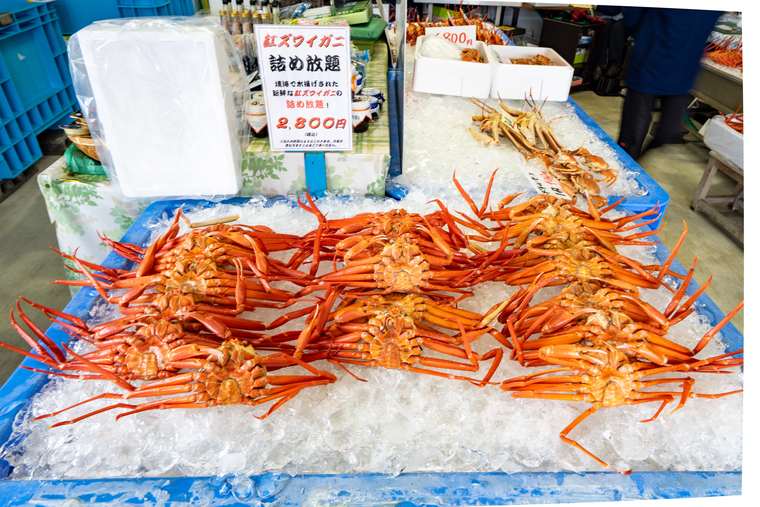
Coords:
pixel 715 330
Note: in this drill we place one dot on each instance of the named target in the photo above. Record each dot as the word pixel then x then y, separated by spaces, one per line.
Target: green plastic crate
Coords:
pixel 369 31
pixel 354 13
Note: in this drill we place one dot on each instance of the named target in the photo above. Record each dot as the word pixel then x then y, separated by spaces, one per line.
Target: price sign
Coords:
pixel 544 182
pixel 306 76
pixel 462 35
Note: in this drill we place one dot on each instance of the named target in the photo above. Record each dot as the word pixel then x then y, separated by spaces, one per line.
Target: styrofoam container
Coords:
pixel 723 139
pixel 452 77
pixel 518 81
pixel 165 99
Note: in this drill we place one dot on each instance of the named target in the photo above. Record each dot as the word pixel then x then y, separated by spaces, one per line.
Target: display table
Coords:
pixel 452 487
pixel 724 140
pixel 84 206
pixel 719 87
pixel 726 211
pixel 361 171
pixel 438 142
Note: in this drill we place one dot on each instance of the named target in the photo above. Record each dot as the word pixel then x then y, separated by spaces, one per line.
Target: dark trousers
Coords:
pixel 637 115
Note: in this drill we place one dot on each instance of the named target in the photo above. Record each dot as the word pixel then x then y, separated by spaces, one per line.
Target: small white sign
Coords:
pixel 461 35
pixel 306 76
pixel 542 181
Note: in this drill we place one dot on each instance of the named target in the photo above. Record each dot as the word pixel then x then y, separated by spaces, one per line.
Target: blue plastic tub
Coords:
pixel 35 85
pixel 76 14
pixel 455 488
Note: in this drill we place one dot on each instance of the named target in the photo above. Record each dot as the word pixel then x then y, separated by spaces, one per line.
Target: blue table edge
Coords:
pixel 22 385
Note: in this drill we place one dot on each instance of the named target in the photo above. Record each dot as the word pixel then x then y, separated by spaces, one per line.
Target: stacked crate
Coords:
pixel 76 14
pixel 36 92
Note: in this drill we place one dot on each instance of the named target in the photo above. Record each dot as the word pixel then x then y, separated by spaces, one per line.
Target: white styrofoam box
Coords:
pixel 452 77
pixel 723 139
pixel 165 104
pixel 542 82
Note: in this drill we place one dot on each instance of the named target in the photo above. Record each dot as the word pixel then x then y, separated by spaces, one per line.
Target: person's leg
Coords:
pixel 670 127
pixel 634 124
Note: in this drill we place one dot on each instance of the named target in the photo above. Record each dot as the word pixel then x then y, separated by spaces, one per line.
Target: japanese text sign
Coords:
pixel 306 75
pixel 544 182
pixel 462 35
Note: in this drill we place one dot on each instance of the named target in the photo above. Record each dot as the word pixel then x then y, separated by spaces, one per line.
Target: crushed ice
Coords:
pixel 437 144
pixel 397 421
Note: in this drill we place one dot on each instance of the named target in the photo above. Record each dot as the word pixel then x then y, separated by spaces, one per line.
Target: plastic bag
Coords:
pixel 79 163
pixel 165 100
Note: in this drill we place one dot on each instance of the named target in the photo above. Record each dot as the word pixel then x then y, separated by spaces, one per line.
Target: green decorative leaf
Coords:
pixel 260 167
pixel 300 182
pixel 90 178
pixel 122 218
pixel 65 199
pixel 377 187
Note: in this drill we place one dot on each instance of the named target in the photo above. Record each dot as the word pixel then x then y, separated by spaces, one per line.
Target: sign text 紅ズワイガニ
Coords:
pixel 306 75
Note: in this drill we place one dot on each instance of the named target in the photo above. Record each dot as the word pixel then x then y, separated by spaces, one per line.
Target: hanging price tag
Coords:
pixel 542 181
pixel 306 75
pixel 461 35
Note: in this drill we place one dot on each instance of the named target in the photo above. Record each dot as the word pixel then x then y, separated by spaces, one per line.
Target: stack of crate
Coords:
pixel 76 14
pixel 36 92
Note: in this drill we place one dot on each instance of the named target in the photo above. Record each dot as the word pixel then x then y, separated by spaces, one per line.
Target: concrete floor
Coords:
pixel 30 265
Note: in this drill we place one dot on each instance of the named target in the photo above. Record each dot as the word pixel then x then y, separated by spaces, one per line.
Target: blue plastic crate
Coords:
pixel 35 85
pixel 14 130
pixel 30 48
pixel 76 14
pixel 16 158
pixel 139 8
pixel 34 76
pixel 182 7
pixel 454 488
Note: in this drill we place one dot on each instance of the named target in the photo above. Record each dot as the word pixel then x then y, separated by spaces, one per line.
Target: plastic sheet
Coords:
pixel 165 100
